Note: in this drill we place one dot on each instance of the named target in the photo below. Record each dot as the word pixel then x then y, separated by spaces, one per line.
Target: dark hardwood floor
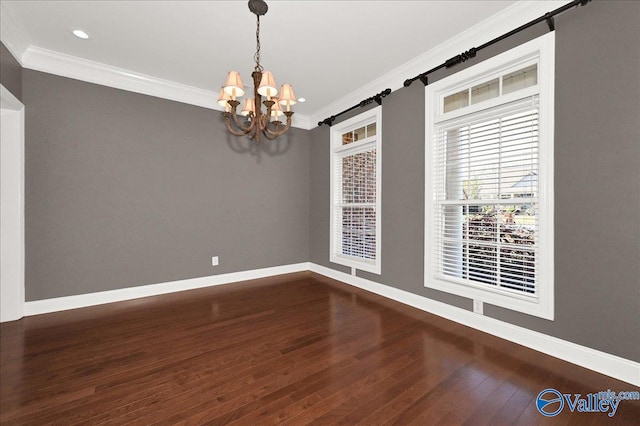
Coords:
pixel 294 349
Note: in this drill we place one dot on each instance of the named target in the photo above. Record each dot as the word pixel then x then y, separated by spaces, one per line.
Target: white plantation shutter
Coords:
pixel 486 189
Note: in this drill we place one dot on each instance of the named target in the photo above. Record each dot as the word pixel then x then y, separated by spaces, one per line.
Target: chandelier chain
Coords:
pixel 256 57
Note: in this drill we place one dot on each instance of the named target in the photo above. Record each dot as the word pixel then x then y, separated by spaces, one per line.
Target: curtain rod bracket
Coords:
pixel 550 21
pixel 424 79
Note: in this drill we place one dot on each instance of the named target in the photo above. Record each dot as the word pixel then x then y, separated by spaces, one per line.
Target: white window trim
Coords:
pixel 336 147
pixel 542 50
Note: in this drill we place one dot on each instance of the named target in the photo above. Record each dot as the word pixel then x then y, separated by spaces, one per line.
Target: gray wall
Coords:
pixel 124 190
pixel 10 72
pixel 597 194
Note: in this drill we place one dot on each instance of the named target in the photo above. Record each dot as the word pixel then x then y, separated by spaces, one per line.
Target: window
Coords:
pixel 355 191
pixel 489 180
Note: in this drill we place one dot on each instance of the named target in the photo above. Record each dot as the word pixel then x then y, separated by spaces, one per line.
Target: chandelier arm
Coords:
pixel 263 122
pixel 270 137
pixel 274 133
pixel 232 114
pixel 239 125
pixel 271 134
pixel 231 130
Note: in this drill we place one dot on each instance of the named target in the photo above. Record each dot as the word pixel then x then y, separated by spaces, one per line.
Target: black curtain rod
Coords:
pixel 378 98
pixel 471 53
pixel 465 56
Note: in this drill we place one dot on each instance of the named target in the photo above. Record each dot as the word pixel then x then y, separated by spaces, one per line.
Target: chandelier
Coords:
pixel 256 122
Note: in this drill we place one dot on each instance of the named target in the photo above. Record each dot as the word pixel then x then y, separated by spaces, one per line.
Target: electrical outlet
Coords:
pixel 477 306
pixel 215 261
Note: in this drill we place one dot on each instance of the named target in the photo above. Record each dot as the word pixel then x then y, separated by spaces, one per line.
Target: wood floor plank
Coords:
pixel 294 349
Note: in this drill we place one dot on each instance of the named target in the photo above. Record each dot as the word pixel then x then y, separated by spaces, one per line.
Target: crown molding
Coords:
pixel 52 62
pixel 11 35
pixel 510 18
pixel 302 121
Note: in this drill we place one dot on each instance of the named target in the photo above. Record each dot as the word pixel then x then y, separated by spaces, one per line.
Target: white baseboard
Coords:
pixel 602 362
pixel 99 298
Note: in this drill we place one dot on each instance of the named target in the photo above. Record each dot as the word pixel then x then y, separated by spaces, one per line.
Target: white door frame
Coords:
pixel 11 207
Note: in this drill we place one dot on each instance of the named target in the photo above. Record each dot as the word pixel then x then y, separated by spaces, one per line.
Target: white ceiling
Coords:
pixel 325 49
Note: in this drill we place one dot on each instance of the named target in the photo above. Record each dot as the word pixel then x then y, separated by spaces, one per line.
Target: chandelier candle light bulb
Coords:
pixel 267 85
pixel 223 98
pixel 286 96
pixel 249 107
pixel 258 123
pixel 234 86
pixel 276 111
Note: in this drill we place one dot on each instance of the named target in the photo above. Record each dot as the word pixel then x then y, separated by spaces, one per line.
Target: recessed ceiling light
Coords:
pixel 302 100
pixel 80 34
